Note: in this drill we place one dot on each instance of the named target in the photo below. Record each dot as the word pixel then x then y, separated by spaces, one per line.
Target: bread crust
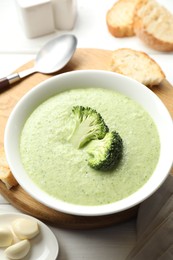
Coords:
pixel 5 174
pixel 137 65
pixel 121 32
pixel 142 31
pixel 124 26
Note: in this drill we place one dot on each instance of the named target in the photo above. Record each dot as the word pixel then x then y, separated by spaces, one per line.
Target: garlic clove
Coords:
pixel 25 228
pixel 18 250
pixel 6 237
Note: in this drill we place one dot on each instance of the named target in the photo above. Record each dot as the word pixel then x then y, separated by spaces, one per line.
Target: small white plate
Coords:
pixel 43 247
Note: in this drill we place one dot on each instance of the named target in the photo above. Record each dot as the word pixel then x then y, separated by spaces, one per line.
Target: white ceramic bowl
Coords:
pixel 101 79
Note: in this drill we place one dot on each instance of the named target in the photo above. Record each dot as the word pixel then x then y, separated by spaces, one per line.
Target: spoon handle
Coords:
pixel 7 81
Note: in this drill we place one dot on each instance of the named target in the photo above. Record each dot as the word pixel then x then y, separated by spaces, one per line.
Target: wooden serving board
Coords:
pixel 82 59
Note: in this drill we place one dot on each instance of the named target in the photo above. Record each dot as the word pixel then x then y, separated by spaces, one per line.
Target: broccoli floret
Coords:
pixel 105 154
pixel 89 125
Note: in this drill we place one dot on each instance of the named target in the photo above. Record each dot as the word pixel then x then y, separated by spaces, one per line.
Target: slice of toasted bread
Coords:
pixel 153 24
pixel 137 65
pixel 120 18
pixel 5 173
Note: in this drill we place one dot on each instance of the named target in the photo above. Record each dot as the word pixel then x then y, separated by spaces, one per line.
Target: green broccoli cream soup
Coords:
pixel 62 170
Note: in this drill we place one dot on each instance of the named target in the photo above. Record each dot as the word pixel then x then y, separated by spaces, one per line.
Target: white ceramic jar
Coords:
pixel 64 14
pixel 36 17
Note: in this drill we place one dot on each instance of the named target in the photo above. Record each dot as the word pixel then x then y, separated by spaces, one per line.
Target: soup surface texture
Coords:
pixel 61 170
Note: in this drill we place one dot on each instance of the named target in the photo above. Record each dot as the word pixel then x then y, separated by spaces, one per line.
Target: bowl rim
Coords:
pixel 115 207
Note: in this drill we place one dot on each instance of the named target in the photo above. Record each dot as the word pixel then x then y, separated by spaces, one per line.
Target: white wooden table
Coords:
pixel 15 49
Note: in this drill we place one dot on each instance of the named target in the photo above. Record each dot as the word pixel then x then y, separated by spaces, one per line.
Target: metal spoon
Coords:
pixel 52 57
